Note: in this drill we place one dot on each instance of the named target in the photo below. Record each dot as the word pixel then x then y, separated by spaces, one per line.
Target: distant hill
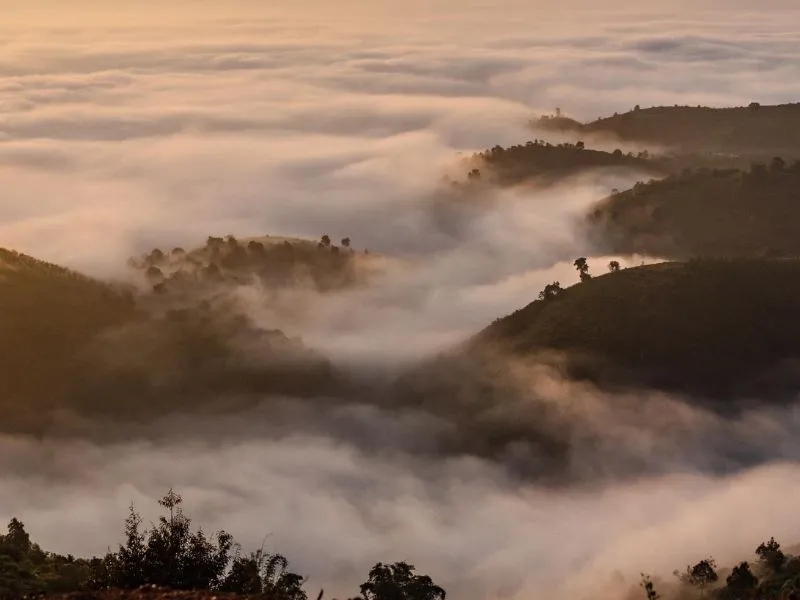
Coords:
pixel 544 162
pixel 69 343
pixel 275 262
pixel 751 130
pixel 48 313
pixel 710 326
pixel 705 213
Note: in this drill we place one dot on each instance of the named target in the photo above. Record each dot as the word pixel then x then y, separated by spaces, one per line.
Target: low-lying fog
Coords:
pixel 115 139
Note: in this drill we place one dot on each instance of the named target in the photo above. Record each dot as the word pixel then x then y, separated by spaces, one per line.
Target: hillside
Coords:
pixel 272 261
pixel 705 213
pixel 753 130
pixel 48 314
pixel 69 343
pixel 545 162
pixel 704 326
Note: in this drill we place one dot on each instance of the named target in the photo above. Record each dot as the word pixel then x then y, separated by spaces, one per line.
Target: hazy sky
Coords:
pixel 125 125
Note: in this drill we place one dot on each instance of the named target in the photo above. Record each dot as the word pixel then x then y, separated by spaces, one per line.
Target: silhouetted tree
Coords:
pixel 583 268
pixel 130 558
pixel 649 588
pixel 700 575
pixel 550 291
pixel 771 555
pixel 154 275
pixel 346 242
pixel 398 582
pixel 754 106
pixel 325 241
pixel 741 584
pixel 613 266
pixel 256 248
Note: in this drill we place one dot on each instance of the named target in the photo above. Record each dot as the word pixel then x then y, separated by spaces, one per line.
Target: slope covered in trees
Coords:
pixel 70 343
pixel 544 162
pixel 48 314
pixel 273 262
pixel 170 557
pixel 705 213
pixel 752 130
pixel 714 327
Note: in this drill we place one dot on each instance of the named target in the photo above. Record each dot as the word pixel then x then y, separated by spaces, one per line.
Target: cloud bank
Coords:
pixel 119 136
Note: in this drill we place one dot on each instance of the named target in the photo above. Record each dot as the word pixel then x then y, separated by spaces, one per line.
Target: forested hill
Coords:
pixel 707 212
pixel 544 162
pixel 703 326
pixel 751 130
pixel 48 313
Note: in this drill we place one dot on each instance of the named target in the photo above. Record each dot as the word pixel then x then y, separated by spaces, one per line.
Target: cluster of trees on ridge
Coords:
pixel 774 575
pixel 324 264
pixel 543 160
pixel 171 555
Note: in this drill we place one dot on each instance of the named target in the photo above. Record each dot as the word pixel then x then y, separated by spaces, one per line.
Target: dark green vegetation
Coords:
pixel 774 575
pixel 710 326
pixel 71 343
pixel 707 212
pixel 544 163
pixel 47 313
pixel 172 556
pixel 273 263
pixel 751 130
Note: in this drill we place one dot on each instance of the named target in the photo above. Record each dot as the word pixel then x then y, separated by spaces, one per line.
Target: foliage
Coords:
pixel 649 588
pixel 708 326
pixel 540 159
pixel 705 212
pixel 701 575
pixel 551 291
pixel 171 556
pixel 399 582
pixel 771 555
pixel 274 264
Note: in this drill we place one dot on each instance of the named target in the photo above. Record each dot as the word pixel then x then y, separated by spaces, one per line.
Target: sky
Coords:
pixel 125 126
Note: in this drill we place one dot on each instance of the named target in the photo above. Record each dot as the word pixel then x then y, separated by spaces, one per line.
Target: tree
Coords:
pixel 346 242
pixel 754 106
pixel 169 555
pixel 256 248
pixel 583 268
pixel 613 266
pixel 771 555
pixel 741 584
pixel 398 582
pixel 154 275
pixel 700 575
pixel 130 558
pixel 325 241
pixel 649 588
pixel 580 145
pixel 550 291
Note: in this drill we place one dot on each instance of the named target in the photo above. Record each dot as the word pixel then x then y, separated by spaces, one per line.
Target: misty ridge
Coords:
pixel 355 293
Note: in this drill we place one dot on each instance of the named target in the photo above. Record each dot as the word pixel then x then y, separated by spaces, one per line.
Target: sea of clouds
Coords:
pixel 121 130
